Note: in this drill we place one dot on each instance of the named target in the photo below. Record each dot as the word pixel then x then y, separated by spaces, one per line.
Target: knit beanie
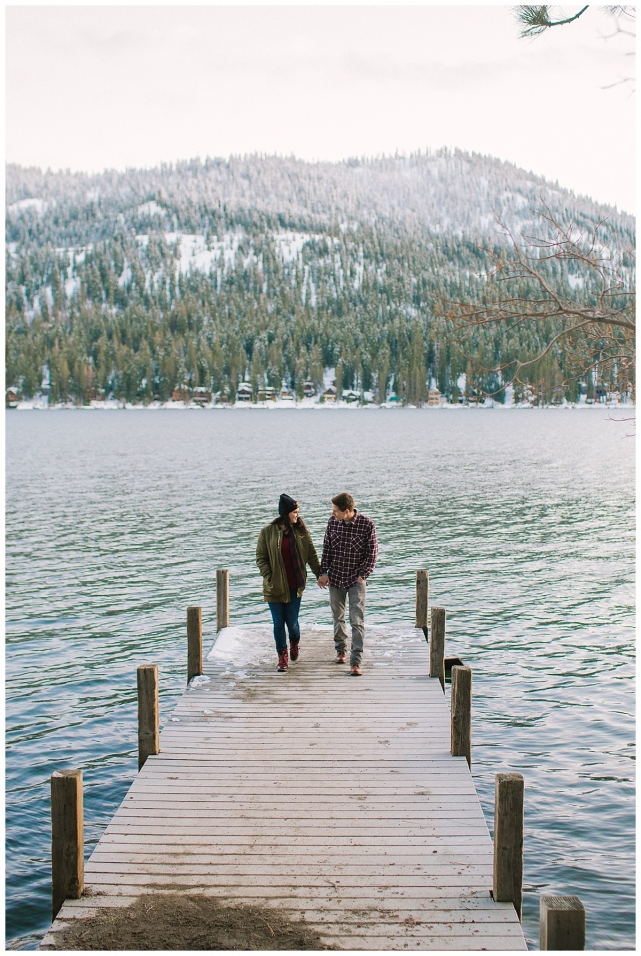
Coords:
pixel 285 505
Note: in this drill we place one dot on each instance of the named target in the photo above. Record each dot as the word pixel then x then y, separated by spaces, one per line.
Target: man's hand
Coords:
pixel 323 581
pixel 360 580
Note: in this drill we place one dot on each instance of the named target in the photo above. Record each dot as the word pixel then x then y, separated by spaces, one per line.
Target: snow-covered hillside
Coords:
pixel 272 270
pixel 444 193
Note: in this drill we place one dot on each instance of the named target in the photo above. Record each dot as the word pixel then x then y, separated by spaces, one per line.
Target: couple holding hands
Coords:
pixel 284 550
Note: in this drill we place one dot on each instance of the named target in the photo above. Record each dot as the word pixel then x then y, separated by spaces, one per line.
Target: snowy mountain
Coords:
pixel 273 270
pixel 445 193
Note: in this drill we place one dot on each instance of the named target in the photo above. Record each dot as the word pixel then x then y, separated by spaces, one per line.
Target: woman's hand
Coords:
pixel 323 581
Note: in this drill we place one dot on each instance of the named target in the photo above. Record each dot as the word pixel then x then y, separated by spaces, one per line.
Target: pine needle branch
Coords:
pixel 535 19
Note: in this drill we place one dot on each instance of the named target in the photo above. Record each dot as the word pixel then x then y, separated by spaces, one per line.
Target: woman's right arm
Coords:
pixel 262 556
pixel 312 557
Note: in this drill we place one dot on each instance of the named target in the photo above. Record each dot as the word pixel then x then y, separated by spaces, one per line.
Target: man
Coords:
pixel 349 557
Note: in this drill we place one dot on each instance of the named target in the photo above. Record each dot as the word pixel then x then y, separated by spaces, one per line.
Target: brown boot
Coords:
pixel 282 660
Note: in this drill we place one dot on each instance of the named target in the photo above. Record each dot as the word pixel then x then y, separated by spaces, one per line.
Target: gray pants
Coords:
pixel 337 599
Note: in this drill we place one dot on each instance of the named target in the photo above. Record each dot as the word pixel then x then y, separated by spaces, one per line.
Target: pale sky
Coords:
pixel 96 87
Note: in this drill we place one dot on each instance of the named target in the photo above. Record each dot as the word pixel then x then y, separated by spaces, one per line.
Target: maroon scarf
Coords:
pixel 299 571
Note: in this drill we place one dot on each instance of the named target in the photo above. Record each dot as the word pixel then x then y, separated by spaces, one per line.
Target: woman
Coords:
pixel 284 549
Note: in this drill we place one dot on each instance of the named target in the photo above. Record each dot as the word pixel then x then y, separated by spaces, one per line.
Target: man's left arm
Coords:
pixel 371 553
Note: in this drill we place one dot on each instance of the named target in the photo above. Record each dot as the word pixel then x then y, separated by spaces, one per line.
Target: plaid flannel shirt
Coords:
pixel 349 550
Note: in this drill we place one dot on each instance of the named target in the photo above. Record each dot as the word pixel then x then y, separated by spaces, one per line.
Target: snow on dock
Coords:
pixel 318 796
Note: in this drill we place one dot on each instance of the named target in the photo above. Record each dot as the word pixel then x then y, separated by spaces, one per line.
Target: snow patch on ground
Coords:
pixel 242 646
pixel 198 254
pixel 200 681
pixel 329 377
pixel 125 278
pixel 71 286
pixel 151 208
pixel 38 204
pixel 290 244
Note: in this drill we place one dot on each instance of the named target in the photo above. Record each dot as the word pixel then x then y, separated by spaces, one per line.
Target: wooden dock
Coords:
pixel 324 797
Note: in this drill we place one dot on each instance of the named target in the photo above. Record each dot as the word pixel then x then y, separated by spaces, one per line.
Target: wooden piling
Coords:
pixel 437 645
pixel 562 923
pixel 67 838
pixel 508 839
pixel 461 713
pixel 194 642
pixel 222 598
pixel 148 713
pixel 422 593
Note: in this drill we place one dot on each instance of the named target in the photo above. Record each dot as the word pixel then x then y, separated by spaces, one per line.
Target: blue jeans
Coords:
pixel 285 614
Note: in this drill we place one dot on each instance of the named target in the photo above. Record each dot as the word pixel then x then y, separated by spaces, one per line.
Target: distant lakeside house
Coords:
pixel 266 394
pixel 329 395
pixel 181 394
pixel 244 392
pixel 201 395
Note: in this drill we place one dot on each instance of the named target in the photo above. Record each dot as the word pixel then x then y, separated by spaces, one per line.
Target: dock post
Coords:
pixel 67 838
pixel 437 645
pixel 422 592
pixel 148 715
pixel 508 839
pixel 461 711
pixel 222 598
pixel 562 923
pixel 194 642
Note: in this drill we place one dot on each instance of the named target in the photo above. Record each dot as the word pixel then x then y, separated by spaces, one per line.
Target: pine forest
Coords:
pixel 248 277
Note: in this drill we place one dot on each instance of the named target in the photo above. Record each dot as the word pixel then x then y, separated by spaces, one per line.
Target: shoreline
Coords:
pixel 35 405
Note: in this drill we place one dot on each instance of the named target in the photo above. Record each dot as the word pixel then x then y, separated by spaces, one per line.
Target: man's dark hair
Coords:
pixel 344 501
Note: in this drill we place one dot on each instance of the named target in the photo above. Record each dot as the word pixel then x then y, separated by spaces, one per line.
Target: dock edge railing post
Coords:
pixel 222 598
pixel 562 923
pixel 461 713
pixel 422 595
pixel 437 645
pixel 194 642
pixel 148 712
pixel 508 840
pixel 67 838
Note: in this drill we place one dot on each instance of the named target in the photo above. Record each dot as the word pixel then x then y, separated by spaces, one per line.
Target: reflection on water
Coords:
pixel 117 521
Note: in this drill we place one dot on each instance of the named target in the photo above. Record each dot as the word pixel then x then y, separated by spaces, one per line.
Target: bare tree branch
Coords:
pixel 568 287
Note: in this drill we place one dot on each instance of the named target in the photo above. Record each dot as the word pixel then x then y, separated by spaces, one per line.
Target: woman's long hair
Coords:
pixel 284 523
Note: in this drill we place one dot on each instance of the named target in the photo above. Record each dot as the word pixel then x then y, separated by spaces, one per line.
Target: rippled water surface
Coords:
pixel 117 521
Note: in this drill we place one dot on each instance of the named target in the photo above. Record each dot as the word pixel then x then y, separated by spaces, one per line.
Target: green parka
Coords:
pixel 270 560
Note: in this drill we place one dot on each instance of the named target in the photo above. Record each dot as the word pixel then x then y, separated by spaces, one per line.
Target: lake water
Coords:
pixel 117 521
